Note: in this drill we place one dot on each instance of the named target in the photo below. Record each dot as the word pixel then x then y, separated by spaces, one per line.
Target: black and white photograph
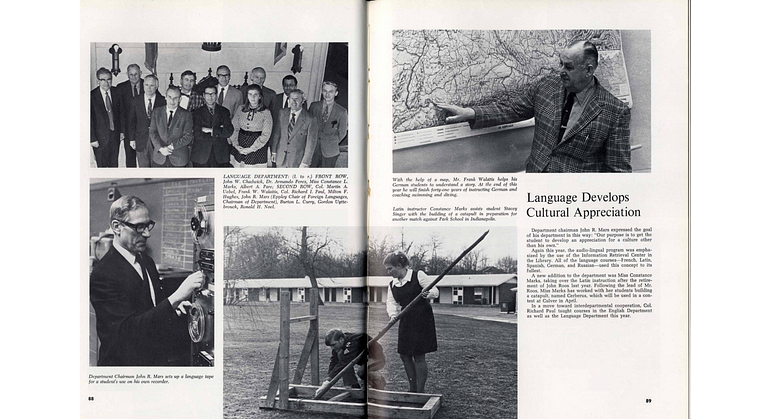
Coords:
pixel 508 101
pixel 152 282
pixel 219 104
pixel 430 333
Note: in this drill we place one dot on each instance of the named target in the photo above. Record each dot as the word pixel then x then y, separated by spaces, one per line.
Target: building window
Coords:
pixel 301 294
pixel 457 295
pixel 348 293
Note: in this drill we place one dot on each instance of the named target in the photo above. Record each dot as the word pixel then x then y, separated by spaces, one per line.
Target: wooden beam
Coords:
pixel 322 406
pixel 400 397
pixel 315 370
pixel 312 337
pixel 428 404
pixel 304 391
pixel 272 390
pixel 433 404
pixel 302 319
pixel 283 361
pixel 341 397
pixel 397 412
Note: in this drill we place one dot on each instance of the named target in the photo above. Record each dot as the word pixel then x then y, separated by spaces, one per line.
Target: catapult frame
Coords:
pixel 282 395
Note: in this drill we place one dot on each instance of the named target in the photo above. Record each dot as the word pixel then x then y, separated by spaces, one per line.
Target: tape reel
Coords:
pixel 200 225
pixel 200 322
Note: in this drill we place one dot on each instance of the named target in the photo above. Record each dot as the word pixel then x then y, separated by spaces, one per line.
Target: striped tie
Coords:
pixel 291 123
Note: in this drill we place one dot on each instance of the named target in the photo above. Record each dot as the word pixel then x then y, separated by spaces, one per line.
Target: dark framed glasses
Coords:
pixel 141 227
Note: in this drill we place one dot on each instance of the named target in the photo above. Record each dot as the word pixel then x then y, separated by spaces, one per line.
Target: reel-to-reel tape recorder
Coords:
pixel 201 314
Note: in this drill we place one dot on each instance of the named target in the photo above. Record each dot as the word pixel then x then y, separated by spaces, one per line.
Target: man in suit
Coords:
pixel 105 120
pixel 127 91
pixel 258 77
pixel 135 325
pixel 332 126
pixel 289 83
pixel 579 125
pixel 139 118
pixel 281 101
pixel 298 132
pixel 212 128
pixel 190 100
pixel 227 96
pixel 171 131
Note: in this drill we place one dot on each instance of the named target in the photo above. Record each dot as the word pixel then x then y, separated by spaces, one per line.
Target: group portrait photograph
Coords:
pixel 218 104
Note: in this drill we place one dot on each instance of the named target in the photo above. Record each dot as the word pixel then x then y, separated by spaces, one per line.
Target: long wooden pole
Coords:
pixel 392 322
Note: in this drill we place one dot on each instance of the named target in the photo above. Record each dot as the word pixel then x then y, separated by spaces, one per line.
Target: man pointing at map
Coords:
pixel 579 125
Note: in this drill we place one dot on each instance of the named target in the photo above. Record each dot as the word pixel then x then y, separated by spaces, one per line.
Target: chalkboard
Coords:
pixel 179 199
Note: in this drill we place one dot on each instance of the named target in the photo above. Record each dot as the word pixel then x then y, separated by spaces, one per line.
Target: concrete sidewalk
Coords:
pixel 492 314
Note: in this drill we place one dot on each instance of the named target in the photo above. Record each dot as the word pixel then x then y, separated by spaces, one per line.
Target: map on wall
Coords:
pixel 473 67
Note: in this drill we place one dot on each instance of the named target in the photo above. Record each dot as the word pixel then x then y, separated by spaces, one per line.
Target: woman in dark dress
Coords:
pixel 417 328
pixel 253 125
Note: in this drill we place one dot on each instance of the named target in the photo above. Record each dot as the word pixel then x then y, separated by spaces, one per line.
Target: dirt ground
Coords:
pixel 475 368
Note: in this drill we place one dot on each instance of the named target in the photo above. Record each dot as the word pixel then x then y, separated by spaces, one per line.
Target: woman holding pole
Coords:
pixel 417 328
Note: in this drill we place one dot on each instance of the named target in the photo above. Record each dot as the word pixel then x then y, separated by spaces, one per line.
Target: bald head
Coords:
pixel 258 76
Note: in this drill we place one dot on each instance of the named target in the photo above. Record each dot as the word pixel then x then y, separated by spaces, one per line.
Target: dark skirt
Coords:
pixel 417 328
pixel 247 139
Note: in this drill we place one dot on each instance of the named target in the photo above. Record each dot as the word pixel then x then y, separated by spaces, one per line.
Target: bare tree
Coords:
pixel 308 250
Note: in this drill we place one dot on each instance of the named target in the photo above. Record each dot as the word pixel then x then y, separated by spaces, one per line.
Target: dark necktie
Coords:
pixel 145 277
pixel 211 111
pixel 170 117
pixel 149 108
pixel 136 91
pixel 326 113
pixel 109 112
pixel 565 111
pixel 291 123
pixel 221 97
pixel 286 102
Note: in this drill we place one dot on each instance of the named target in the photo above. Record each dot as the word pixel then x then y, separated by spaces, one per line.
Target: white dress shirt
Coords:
pixel 392 306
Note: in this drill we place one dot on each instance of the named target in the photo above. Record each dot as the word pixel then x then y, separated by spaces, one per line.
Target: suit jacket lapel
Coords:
pixel 126 269
pixel 299 125
pixel 592 109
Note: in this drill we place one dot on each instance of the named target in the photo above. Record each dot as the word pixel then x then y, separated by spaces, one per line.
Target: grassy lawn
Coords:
pixel 474 368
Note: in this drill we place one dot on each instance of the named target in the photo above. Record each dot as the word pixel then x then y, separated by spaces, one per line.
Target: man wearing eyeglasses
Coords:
pixel 227 96
pixel 105 120
pixel 136 327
